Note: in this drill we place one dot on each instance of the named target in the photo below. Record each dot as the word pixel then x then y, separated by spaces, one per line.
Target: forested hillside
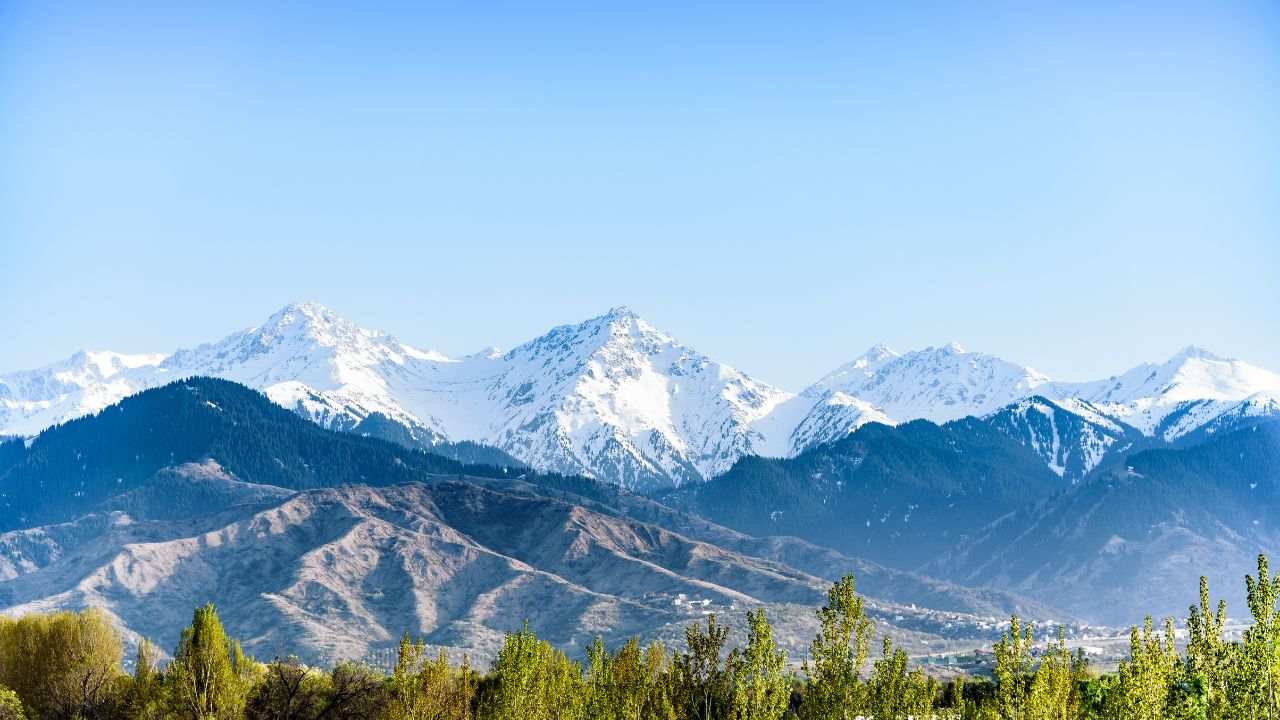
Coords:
pixel 899 495
pixel 69 469
pixel 1133 534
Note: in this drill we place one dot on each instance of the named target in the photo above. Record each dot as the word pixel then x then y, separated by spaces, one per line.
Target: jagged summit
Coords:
pixel 1197 352
pixel 936 383
pixel 622 312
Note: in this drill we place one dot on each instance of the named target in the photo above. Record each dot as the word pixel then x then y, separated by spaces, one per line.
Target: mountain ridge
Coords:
pixel 616 398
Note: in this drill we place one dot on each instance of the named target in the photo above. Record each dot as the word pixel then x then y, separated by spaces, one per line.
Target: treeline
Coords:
pixel 66 666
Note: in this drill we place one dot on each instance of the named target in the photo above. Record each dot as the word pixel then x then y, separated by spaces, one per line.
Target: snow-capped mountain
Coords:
pixel 1071 436
pixel 1072 426
pixel 1192 389
pixel 86 382
pixel 937 384
pixel 612 397
pixel 616 398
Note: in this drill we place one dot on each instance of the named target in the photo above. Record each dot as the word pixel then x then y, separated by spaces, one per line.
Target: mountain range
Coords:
pixel 330 544
pixel 617 399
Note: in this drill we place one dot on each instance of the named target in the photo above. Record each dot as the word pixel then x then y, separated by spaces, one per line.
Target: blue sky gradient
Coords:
pixel 1078 189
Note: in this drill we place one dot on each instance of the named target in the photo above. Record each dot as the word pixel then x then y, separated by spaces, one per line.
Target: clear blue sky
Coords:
pixel 777 185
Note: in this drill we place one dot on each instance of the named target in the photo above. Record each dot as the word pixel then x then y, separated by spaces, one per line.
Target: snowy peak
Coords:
pixel 616 398
pixel 937 383
pixel 875 356
pixel 84 383
pixel 106 364
pixel 1191 374
pixel 1174 398
pixel 854 372
pixel 620 329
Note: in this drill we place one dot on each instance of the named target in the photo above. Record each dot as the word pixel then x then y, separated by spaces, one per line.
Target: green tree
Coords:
pixel 893 691
pixel 837 656
pixel 10 705
pixel 61 665
pixel 705 688
pixel 422 689
pixel 144 699
pixel 206 679
pixel 1208 655
pixel 288 690
pixel 534 681
pixel 663 696
pixel 1053 686
pixel 619 686
pixel 1012 670
pixel 761 686
pixel 1262 639
pixel 1147 676
pixel 356 692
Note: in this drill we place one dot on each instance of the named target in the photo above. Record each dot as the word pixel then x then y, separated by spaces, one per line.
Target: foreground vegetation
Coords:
pixel 63 666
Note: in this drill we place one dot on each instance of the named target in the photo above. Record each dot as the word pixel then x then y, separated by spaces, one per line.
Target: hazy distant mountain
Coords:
pixel 897 495
pixel 615 398
pixel 1136 537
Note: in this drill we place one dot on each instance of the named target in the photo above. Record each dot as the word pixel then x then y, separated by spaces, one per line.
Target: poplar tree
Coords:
pixel 534 681
pixel 1262 639
pixel 1146 676
pixel 663 696
pixel 1208 656
pixel 205 677
pixel 896 692
pixel 11 705
pixel 761 688
pixel 1052 695
pixel 838 654
pixel 1013 666
pixel 144 701
pixel 705 689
